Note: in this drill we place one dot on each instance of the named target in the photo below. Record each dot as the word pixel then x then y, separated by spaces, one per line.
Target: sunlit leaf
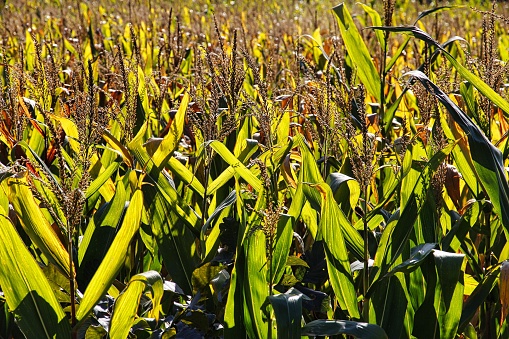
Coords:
pixel 114 258
pixel 26 289
pixel 126 305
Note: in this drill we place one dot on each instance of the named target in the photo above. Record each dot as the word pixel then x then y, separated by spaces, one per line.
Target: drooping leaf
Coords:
pixel 35 223
pixel 26 289
pixel 487 158
pixel 118 147
pixel 288 311
pixel 126 305
pixel 335 327
pixel 433 10
pixel 449 292
pixel 418 254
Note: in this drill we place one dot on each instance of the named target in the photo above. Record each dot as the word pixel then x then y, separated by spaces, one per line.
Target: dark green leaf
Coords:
pixel 335 327
pixel 288 311
pixel 417 256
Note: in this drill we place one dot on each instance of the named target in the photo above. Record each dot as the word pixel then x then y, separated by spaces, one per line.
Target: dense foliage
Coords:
pixel 254 169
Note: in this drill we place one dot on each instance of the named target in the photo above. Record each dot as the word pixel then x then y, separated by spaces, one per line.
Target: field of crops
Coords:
pixel 233 169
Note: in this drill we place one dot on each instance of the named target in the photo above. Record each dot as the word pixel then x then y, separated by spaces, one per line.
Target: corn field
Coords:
pixel 244 169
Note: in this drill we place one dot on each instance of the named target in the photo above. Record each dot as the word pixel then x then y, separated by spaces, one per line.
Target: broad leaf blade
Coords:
pixel 417 256
pixel 256 290
pixel 288 311
pixel 35 224
pixel 336 327
pixel 358 51
pixel 114 258
pixel 126 305
pixel 487 158
pixel 26 289
pixel 449 292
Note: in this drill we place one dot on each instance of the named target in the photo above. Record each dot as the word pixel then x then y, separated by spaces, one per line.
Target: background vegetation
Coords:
pixel 254 169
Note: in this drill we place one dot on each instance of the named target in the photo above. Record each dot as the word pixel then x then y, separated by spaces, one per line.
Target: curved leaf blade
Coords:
pixel 126 305
pixel 486 157
pixel 288 311
pixel 114 258
pixel 26 289
pixel 358 51
pixel 336 327
pixel 35 224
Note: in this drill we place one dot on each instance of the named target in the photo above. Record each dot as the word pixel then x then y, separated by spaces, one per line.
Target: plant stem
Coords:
pixel 72 281
pixel 271 277
pixel 365 280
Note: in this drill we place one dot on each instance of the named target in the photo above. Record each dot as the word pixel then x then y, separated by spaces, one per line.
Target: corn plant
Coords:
pixel 173 173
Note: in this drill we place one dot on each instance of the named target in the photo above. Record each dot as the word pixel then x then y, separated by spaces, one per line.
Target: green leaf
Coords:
pixel 101 179
pixel 288 311
pixel 336 327
pixel 487 158
pixel 234 310
pixel 338 264
pixel 310 174
pixel 250 147
pixel 203 275
pixel 35 223
pixel 397 232
pixel 230 200
pixel 212 239
pixel 388 68
pixel 296 261
pixel 346 190
pixel 390 306
pixel 172 139
pixel 126 305
pixel 255 286
pixel 391 111
pixel 236 165
pixel 161 180
pixel 462 156
pixel 417 256
pixel 184 174
pixel 26 289
pixel 114 259
pixel 449 292
pixel 175 242
pixel 454 240
pixel 478 297
pixel 101 228
pixel 283 241
pixel 358 51
pixel 376 20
